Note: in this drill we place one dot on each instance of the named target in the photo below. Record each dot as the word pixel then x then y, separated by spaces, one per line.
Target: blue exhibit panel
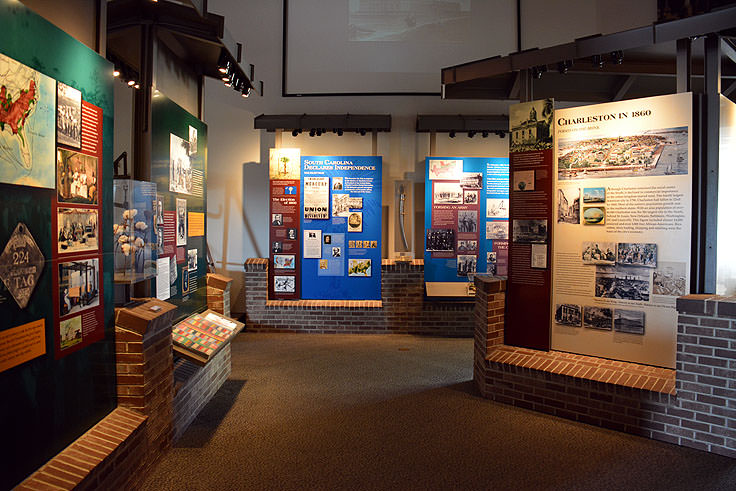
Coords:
pixel 346 263
pixel 445 214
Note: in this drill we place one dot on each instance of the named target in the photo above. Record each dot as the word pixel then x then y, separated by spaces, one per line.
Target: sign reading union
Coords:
pixel 21 264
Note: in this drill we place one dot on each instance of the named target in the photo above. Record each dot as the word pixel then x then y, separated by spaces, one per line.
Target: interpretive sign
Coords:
pixel 21 264
pixel 284 173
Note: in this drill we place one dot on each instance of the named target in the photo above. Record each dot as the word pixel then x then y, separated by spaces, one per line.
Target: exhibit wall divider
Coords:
pixel 57 360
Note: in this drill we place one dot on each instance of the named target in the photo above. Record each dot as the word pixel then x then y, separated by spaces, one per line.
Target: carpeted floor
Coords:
pixel 400 412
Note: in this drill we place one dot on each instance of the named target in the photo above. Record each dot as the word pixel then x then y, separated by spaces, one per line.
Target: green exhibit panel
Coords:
pixel 179 170
pixel 57 360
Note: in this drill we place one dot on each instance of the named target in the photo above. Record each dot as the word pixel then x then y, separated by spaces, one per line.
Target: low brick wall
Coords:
pixel 402 309
pixel 693 406
pixel 194 387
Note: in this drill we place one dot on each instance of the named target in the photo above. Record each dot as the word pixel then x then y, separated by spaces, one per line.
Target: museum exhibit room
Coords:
pixel 367 244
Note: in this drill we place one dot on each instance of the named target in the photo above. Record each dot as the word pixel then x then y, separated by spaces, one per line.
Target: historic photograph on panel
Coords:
pixel 359 267
pixel 531 126
pixel 472 180
pixel 637 254
pixel 467 246
pixel 440 239
pixel 28 136
pixel 497 208
pixel 76 177
pixel 594 195
pixel 336 251
pixel 594 215
pixel 629 321
pixel 530 231
pixel 78 286
pixel 568 205
pixel 277 219
pixel 491 263
pixel 466 264
pixel 77 229
pixel 447 193
pixel 181 222
pixel 470 197
pixel 467 221
pixel 284 284
pixel 284 163
pixel 70 332
pixel 669 279
pixel 284 261
pixel 622 282
pixel 651 153
pixel 497 230
pixel 180 166
pixel 340 205
pixel 451 170
pixel 568 315
pixel 355 221
pixel 355 203
pixel 597 318
pixel 524 180
pixel 192 259
pixel 599 253
pixel 337 184
pixel 193 141
pixel 68 115
pixel 416 22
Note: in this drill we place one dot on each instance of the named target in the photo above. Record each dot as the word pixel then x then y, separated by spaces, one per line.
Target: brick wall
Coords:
pixel 693 406
pixel 403 308
pixel 218 293
pixel 194 386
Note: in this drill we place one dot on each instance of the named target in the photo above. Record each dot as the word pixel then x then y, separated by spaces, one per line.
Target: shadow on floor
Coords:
pixel 202 428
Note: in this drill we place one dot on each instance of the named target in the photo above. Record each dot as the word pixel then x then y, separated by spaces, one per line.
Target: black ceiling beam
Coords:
pixel 350 122
pixel 445 123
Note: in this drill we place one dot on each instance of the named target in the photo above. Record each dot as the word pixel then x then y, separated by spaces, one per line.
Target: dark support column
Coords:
pixel 704 280
pixel 525 86
pixel 684 65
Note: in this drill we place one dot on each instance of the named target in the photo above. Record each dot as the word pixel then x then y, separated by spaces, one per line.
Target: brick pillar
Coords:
pixel 490 304
pixel 256 291
pixel 218 293
pixel 144 359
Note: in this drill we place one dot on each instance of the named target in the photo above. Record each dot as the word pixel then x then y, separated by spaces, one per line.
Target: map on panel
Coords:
pixel 27 125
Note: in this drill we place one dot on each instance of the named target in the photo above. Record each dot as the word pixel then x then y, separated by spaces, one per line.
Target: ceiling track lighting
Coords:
pixel 312 132
pixel 471 134
pixel 116 72
pixel 538 70
pixel 564 66
pixel 294 133
pixel 617 57
pixel 452 134
pixel 597 61
pixel 339 132
pixel 362 132
pixel 484 134
pixel 246 92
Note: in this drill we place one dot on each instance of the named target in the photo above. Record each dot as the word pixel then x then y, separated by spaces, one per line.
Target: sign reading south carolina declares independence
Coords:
pixel 622 227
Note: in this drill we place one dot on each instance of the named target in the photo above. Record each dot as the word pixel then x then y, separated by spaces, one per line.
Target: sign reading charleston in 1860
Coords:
pixel 21 264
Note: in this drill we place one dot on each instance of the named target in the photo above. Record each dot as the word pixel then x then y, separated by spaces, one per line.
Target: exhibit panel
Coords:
pixel 341 229
pixel 284 193
pixel 466 222
pixel 56 341
pixel 179 170
pixel 622 228
pixel 726 261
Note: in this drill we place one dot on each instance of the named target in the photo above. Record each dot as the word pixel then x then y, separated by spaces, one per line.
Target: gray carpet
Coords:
pixel 400 412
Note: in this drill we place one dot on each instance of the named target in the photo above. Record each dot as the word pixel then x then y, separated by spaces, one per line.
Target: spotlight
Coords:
pixel 223 64
pixel 137 86
pixel 597 61
pixel 339 132
pixel 294 132
pixel 563 66
pixel 471 134
pixel 538 70
pixel 617 57
pixel 131 83
pixel 452 134
pixel 312 132
pixel 116 72
pixel 246 92
pixel 319 132
pixel 362 132
pixel 502 134
pixel 485 134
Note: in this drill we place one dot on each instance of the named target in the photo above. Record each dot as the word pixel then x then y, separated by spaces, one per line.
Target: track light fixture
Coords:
pixel 131 83
pixel 502 134
pixel 339 132
pixel 485 134
pixel 294 132
pixel 564 66
pixel 452 134
pixel 597 61
pixel 617 57
pixel 362 132
pixel 471 134
pixel 116 72
pixel 538 70
pixel 312 132
pixel 245 92
pixel 137 86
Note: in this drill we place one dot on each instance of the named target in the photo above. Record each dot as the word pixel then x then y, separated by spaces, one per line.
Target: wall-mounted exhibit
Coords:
pixel 466 222
pixel 56 352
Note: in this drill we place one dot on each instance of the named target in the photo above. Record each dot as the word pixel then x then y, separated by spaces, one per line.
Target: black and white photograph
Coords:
pixel 181 222
pixel 355 221
pixel 531 126
pixel 523 180
pixel 497 208
pixel 669 279
pixel 284 284
pixel 497 230
pixel 472 180
pixel 284 261
pixel 336 252
pixel 77 230
pixel 193 141
pixel 467 221
pixel 598 252
pixel 440 239
pixel 355 203
pixel 568 315
pixel 68 115
pixel 276 247
pixel 637 254
pixel 623 282
pixel 466 264
pixel 180 166
pixel 340 205
pixel 629 321
pixel 470 197
pixel 491 263
pixel 78 286
pixel 530 231
pixel 159 220
pixel 327 238
pixel 277 219
pixel 291 234
pixel 594 215
pixel 568 205
pixel 447 193
pixel 467 246
pixel 600 318
pixel 337 183
pixel 76 177
pixel 192 259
